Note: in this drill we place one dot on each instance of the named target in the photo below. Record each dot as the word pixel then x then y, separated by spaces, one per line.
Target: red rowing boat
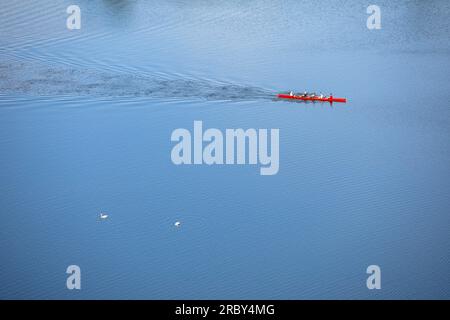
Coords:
pixel 329 99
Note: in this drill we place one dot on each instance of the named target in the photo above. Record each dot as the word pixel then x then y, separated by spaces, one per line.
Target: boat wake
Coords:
pixel 30 79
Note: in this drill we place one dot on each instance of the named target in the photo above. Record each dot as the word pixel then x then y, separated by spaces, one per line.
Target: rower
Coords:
pixel 305 94
pixel 291 93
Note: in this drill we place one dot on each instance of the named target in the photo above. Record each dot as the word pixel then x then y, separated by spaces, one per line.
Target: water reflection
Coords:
pixel 121 10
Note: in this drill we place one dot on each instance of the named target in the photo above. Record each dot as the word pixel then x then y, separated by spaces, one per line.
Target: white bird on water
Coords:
pixel 103 216
pixel 177 224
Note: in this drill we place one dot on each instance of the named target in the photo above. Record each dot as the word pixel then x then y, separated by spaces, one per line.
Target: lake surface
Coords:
pixel 85 123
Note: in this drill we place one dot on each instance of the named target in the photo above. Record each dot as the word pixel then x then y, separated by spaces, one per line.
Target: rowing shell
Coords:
pixel 330 99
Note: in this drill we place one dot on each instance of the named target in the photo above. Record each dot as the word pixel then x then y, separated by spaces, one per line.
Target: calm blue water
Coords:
pixel 85 124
